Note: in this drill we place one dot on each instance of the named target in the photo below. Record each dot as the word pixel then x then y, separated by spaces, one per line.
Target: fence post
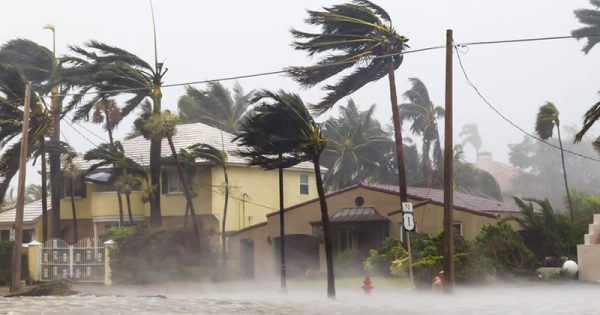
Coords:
pixel 108 245
pixel 35 261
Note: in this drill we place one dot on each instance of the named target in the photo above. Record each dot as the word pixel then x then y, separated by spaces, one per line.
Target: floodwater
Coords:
pixel 520 298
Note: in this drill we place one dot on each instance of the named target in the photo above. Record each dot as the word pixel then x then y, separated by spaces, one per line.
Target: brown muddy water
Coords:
pixel 522 298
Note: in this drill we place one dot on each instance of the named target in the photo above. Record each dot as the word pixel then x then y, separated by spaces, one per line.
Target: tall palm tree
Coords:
pixel 215 106
pixel 125 183
pixel 470 135
pixel 356 36
pixel 423 114
pixel 111 71
pixel 44 70
pixel 547 119
pixel 216 157
pixel 280 132
pixel 356 147
pixel 163 125
pixel 108 154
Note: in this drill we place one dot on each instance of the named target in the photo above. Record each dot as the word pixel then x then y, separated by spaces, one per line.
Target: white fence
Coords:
pixel 82 262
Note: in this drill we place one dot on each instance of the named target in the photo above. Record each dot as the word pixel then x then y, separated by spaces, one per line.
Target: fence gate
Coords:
pixel 82 262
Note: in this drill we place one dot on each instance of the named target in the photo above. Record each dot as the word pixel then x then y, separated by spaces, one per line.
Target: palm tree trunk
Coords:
pixel 112 144
pixel 223 238
pixel 282 228
pixel 155 155
pixel 326 230
pixel 56 176
pixel 127 194
pixel 73 211
pixel 427 169
pixel 562 157
pixel 186 191
pixel 397 134
pixel 44 190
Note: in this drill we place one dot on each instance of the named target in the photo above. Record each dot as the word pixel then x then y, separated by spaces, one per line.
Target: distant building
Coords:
pixel 502 172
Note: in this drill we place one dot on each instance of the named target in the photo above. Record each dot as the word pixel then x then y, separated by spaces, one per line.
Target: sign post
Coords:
pixel 408 223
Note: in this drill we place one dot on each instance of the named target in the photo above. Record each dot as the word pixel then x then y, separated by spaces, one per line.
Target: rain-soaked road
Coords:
pixel 521 298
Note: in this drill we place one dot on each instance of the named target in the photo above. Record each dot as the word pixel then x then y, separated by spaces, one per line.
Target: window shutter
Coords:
pixel 164 179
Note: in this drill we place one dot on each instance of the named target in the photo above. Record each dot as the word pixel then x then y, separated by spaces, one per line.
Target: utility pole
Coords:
pixel 18 226
pixel 448 248
pixel 282 227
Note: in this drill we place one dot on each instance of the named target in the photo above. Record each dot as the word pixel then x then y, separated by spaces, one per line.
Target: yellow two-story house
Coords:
pixel 253 192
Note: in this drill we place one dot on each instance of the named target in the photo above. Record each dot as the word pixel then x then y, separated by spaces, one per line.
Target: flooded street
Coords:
pixel 522 298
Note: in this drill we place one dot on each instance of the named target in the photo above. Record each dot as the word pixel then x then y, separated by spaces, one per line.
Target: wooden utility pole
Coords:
pixel 448 178
pixel 283 277
pixel 18 226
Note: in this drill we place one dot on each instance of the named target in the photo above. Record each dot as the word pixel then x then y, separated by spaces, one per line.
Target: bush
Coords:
pixel 6 248
pixel 348 263
pixel 380 260
pixel 502 250
pixel 146 256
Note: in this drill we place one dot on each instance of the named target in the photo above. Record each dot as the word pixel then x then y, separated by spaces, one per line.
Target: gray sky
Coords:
pixel 201 40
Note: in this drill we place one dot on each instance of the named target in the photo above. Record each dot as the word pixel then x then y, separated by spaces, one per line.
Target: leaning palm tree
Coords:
pixel 216 157
pixel 591 19
pixel 547 119
pixel 356 36
pixel 356 147
pixel 280 132
pixel 163 125
pixel 111 71
pixel 215 106
pixel 423 114
pixel 125 183
pixel 44 70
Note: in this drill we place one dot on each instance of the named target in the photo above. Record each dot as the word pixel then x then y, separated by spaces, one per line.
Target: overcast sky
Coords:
pixel 201 40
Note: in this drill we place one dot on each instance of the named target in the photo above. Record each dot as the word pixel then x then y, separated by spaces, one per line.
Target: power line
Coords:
pixel 470 83
pixel 521 40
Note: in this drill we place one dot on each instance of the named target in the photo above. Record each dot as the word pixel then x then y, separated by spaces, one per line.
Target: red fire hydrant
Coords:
pixel 367 286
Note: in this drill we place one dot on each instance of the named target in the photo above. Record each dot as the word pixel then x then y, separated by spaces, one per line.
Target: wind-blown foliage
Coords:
pixel 470 135
pixel 423 114
pixel 215 106
pixel 357 147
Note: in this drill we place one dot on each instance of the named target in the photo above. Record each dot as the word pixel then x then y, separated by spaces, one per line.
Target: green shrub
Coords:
pixel 348 263
pixel 380 260
pixel 146 256
pixel 117 233
pixel 502 250
pixel 6 248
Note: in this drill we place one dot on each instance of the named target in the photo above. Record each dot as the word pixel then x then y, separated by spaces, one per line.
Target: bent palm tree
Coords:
pixel 163 125
pixel 215 106
pixel 280 132
pixel 111 71
pixel 356 36
pixel 72 172
pixel 356 147
pixel 423 114
pixel 218 158
pixel 547 119
pixel 470 135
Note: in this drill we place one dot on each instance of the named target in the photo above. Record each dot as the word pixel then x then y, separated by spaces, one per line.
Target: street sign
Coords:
pixel 407 207
pixel 408 221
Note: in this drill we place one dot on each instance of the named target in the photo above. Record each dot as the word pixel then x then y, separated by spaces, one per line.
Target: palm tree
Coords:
pixel 356 147
pixel 72 172
pixel 470 135
pixel 218 158
pixel 112 71
pixel 163 125
pixel 125 183
pixel 108 154
pixel 547 119
pixel 44 70
pixel 215 106
pixel 280 132
pixel 423 114
pixel 356 36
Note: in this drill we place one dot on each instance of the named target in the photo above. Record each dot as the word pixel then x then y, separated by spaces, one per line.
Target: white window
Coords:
pixel 304 184
pixel 173 182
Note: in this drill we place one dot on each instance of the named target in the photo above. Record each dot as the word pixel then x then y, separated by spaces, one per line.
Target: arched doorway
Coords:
pixel 247 258
pixel 301 254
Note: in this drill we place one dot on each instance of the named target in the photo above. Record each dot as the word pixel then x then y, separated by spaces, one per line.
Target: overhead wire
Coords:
pixel 493 108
